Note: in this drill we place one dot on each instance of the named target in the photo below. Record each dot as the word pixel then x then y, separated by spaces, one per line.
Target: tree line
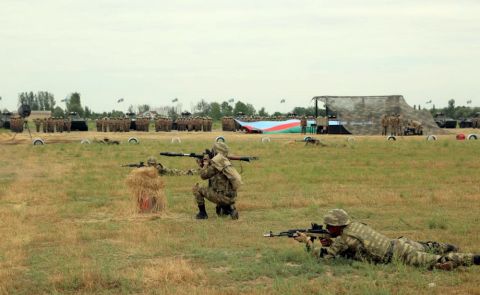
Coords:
pixel 45 101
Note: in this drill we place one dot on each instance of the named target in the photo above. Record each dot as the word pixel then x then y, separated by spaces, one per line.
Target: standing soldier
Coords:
pixel 303 124
pixel 384 123
pixel 37 122
pixel 44 125
pixel 98 124
pixel 223 183
pixel 68 124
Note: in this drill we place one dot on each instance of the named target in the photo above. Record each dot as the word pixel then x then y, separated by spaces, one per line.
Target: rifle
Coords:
pixel 136 165
pixel 311 140
pixel 209 154
pixel 316 231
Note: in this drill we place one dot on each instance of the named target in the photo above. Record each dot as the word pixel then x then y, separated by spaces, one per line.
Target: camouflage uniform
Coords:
pixel 221 189
pixel 164 171
pixel 361 242
pixel 37 122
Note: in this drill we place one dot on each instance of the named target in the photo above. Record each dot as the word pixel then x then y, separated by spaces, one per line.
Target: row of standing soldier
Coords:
pixel 51 125
pixel 395 125
pixel 194 124
pixel 161 124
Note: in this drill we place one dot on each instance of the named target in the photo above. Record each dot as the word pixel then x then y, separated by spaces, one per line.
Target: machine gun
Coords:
pixel 209 154
pixel 316 231
pixel 136 165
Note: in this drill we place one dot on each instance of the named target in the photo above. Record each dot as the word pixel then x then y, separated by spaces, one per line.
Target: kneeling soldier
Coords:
pixel 223 183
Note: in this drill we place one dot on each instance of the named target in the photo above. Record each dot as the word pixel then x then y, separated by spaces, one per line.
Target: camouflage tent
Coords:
pixel 361 115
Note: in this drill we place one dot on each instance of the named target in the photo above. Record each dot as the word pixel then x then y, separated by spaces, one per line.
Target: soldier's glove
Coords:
pixel 303 238
pixel 326 242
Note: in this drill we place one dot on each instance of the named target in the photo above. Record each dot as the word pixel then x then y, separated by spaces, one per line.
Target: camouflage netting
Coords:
pixel 147 188
pixel 361 115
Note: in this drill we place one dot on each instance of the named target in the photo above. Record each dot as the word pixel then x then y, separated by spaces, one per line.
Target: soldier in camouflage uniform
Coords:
pixel 223 182
pixel 37 122
pixel 162 170
pixel 360 242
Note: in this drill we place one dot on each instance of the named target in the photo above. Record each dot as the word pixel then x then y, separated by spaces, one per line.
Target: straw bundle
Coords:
pixel 147 189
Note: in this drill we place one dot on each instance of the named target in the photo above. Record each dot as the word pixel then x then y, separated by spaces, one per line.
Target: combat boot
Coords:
pixel 233 213
pixel 476 259
pixel 202 213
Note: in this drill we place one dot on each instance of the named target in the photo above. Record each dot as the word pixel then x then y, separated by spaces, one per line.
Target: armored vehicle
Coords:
pixel 78 124
pixel 465 123
pixel 444 122
pixel 5 120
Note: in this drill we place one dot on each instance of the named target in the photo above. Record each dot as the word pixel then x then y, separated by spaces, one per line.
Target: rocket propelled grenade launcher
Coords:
pixel 209 154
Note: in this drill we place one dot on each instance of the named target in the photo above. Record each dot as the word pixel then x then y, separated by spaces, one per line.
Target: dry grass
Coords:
pixel 147 187
pixel 68 225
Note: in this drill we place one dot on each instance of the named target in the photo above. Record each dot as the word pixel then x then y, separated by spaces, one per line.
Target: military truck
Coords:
pixel 78 123
pixel 444 122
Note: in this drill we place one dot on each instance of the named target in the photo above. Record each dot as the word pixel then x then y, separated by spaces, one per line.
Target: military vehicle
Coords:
pixel 78 123
pixel 465 123
pixel 444 122
pixel 5 120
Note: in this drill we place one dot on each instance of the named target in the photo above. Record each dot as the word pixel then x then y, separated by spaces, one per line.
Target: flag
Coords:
pixel 430 101
pixel 120 100
pixel 175 100
pixel 231 100
pixel 282 101
pixel 63 100
pixel 469 101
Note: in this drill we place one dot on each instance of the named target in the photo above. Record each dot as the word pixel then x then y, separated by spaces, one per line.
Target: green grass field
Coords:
pixel 69 226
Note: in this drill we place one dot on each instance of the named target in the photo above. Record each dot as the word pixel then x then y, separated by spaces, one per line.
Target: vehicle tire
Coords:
pixel 472 137
pixel 265 139
pixel 307 138
pixel 350 139
pixel 133 140
pixel 431 137
pixel 391 137
pixel 85 141
pixel 38 141
pixel 220 139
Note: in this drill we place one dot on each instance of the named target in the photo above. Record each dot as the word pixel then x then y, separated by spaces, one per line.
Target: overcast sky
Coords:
pixel 151 51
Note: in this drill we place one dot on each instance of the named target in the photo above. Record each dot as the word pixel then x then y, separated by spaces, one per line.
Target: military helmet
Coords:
pixel 220 148
pixel 152 161
pixel 337 217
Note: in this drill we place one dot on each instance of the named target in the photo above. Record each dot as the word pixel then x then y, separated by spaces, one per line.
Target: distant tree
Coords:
pixel 143 108
pixel 226 108
pixel 74 104
pixel 276 114
pixel 202 108
pixel 215 111
pixel 246 109
pixel 262 112
pixel 450 110
pixel 58 112
pixel 87 112
pixel 130 109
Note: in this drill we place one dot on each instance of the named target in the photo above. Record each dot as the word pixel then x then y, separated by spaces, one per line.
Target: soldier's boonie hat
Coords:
pixel 337 217
pixel 220 148
pixel 151 161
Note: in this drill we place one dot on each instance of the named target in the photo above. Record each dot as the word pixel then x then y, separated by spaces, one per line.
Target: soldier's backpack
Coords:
pixel 221 163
